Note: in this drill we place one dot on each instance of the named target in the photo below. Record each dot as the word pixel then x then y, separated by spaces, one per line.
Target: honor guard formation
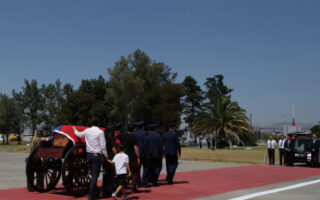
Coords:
pixel 134 158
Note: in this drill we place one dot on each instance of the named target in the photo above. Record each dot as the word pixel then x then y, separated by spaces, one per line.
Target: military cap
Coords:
pixel 153 126
pixel 138 123
pixel 118 125
pixel 172 125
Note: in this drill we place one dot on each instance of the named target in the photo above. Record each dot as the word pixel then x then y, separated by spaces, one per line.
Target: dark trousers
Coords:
pixel 271 156
pixel 156 167
pixel 134 167
pixel 282 155
pixel 146 172
pixel 290 158
pixel 171 165
pixel 142 164
pixel 314 158
pixel 94 161
pixel 108 181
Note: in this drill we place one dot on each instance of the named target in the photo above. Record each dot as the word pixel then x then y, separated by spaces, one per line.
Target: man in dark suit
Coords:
pixel 172 148
pixel 314 151
pixel 155 154
pixel 289 147
pixel 141 134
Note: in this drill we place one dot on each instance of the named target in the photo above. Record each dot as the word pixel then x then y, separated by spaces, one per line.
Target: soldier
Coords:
pixel 314 151
pixel 141 134
pixel 172 148
pixel 155 154
pixel 289 147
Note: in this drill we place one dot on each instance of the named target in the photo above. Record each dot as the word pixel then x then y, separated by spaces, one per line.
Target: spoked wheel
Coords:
pixel 76 174
pixel 43 173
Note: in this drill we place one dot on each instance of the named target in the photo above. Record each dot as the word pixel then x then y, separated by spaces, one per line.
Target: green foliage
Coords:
pixel 86 103
pixel 33 103
pixel 249 138
pixel 193 99
pixel 216 88
pixel 143 89
pixel 316 130
pixel 220 116
pixel 6 116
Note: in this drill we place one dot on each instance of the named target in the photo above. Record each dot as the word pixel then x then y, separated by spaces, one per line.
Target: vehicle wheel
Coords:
pixel 43 174
pixel 76 171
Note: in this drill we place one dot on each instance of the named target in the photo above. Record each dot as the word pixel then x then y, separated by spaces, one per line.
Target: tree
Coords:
pixel 82 105
pixel 6 116
pixel 124 90
pixel 224 119
pixel 33 104
pixel 193 99
pixel 316 130
pixel 18 114
pixel 143 89
pixel 216 88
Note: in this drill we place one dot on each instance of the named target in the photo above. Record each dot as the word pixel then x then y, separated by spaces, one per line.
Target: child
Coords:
pixel 121 161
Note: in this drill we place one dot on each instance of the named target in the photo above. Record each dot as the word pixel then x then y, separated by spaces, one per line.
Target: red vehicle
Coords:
pixel 64 155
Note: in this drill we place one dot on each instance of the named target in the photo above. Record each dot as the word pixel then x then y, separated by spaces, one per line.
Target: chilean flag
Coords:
pixel 294 122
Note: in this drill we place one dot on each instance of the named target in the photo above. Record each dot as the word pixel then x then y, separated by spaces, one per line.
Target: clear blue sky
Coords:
pixel 268 51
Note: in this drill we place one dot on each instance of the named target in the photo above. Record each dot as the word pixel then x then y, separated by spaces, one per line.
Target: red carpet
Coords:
pixel 194 184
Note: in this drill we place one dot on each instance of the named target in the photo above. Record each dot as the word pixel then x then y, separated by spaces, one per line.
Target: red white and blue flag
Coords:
pixel 293 122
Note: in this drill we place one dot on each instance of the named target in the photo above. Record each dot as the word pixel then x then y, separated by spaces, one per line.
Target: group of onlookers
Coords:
pixel 287 150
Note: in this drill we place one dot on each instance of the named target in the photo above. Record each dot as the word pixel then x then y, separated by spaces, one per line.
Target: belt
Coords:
pixel 95 154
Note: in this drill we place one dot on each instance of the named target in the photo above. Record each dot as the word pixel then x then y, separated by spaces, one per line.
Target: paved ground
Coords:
pixel 194 180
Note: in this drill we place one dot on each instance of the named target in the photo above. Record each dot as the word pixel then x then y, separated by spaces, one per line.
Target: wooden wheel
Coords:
pixel 42 173
pixel 76 171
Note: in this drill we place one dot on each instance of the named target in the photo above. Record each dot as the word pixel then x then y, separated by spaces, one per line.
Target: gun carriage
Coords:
pixel 65 155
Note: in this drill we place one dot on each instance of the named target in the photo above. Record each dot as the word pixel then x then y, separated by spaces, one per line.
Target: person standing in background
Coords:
pixel 281 150
pixel 271 144
pixel 314 151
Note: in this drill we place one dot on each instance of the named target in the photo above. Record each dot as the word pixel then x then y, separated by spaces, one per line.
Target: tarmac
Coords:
pixel 193 180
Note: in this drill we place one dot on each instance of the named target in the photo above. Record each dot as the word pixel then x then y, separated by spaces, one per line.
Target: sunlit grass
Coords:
pixel 252 155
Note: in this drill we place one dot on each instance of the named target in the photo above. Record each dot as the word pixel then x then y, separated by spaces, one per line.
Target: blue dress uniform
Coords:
pixel 141 135
pixel 289 147
pixel 154 154
pixel 172 148
pixel 314 152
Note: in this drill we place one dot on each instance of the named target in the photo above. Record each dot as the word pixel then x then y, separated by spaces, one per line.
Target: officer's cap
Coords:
pixel 172 125
pixel 118 125
pixel 153 126
pixel 138 123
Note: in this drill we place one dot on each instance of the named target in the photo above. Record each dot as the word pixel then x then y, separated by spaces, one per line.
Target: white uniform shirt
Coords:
pixel 95 141
pixel 281 143
pixel 120 161
pixel 272 144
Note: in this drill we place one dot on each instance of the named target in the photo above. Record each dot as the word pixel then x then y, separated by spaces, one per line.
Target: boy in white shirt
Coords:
pixel 121 162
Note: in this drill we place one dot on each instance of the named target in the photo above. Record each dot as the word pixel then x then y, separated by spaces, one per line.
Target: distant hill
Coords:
pixel 304 126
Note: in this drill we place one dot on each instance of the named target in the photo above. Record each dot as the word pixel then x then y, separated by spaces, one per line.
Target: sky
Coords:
pixel 267 50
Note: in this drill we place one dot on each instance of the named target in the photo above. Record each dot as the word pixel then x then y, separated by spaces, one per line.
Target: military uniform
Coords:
pixel 314 152
pixel 141 137
pixel 172 148
pixel 154 154
pixel 289 147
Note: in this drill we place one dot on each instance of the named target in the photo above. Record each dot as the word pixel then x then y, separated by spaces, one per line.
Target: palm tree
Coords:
pixel 224 119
